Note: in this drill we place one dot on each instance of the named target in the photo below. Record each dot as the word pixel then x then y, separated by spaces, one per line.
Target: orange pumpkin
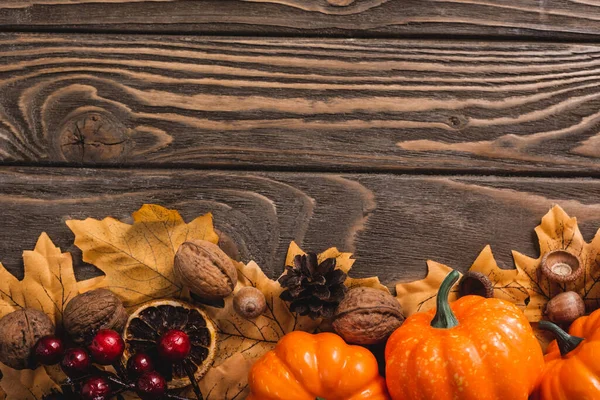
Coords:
pixel 572 368
pixel 307 367
pixel 473 349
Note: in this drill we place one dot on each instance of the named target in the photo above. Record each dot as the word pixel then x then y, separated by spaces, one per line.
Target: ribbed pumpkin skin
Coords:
pixel 492 354
pixel 576 375
pixel 304 366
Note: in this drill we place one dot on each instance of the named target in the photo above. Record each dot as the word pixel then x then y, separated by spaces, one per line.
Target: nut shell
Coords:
pixel 367 316
pixel 565 308
pixel 561 266
pixel 91 311
pixel 205 269
pixel 249 302
pixel 19 332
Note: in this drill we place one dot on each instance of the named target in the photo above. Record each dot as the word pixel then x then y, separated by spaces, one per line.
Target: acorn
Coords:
pixel 249 302
pixel 561 267
pixel 475 283
pixel 565 308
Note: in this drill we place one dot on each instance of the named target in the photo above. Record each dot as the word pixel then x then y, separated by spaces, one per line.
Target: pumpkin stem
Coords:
pixel 566 342
pixel 444 317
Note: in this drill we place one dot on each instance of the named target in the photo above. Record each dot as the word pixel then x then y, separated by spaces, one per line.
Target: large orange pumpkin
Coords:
pixel 307 367
pixel 572 368
pixel 473 349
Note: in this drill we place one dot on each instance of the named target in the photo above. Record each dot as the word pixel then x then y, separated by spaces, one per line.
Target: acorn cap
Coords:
pixel 476 283
pixel 560 266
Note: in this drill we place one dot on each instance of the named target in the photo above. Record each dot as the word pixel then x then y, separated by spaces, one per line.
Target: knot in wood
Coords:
pixel 93 137
pixel 340 3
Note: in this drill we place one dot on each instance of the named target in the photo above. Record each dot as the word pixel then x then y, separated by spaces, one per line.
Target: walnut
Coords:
pixel 89 312
pixel 205 269
pixel 249 302
pixel 367 316
pixel 19 332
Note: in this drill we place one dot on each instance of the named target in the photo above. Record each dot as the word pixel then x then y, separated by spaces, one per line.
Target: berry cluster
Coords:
pixel 88 382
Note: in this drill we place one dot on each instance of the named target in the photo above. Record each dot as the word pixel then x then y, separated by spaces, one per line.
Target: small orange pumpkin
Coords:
pixel 304 366
pixel 572 368
pixel 472 349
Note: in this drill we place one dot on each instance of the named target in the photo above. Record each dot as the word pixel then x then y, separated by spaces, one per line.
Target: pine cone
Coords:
pixel 313 289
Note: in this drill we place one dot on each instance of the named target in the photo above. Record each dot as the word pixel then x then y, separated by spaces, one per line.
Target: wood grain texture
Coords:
pixel 392 223
pixel 355 105
pixel 513 18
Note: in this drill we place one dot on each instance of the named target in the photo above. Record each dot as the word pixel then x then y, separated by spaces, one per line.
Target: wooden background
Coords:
pixel 400 130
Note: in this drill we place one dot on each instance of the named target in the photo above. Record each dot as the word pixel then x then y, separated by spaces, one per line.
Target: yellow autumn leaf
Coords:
pixel 227 381
pixel 558 231
pixel 419 296
pixel 344 261
pixel 137 259
pixel 26 384
pixel 248 338
pixel 509 284
pixel 48 285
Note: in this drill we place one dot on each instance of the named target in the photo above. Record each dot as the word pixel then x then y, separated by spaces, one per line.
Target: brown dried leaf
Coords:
pixel 48 285
pixel 138 259
pixel 558 231
pixel 418 296
pixel 344 261
pixel 249 339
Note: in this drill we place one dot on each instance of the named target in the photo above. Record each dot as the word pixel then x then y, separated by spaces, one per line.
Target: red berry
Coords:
pixel 151 386
pixel 106 347
pixel 49 350
pixel 96 388
pixel 174 345
pixel 139 364
pixel 75 362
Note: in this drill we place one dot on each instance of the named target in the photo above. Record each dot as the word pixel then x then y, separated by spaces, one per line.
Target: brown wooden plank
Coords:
pixel 297 104
pixel 514 18
pixel 392 223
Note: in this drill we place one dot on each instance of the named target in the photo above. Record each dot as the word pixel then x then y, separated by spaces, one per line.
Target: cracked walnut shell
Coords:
pixel 205 269
pixel 367 316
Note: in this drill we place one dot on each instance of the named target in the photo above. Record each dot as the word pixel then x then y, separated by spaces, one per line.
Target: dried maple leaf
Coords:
pixel 248 338
pixel 48 285
pixel 26 384
pixel 137 259
pixel 344 261
pixel 558 231
pixel 227 381
pixel 509 284
pixel 420 295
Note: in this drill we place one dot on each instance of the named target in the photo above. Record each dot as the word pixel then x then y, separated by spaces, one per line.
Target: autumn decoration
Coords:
pixel 439 354
pixel 172 316
pixel 304 367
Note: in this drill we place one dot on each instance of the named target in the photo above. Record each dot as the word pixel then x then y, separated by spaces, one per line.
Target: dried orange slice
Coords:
pixel 147 325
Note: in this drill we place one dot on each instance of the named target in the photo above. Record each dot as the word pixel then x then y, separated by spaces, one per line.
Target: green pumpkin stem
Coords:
pixel 444 317
pixel 566 342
